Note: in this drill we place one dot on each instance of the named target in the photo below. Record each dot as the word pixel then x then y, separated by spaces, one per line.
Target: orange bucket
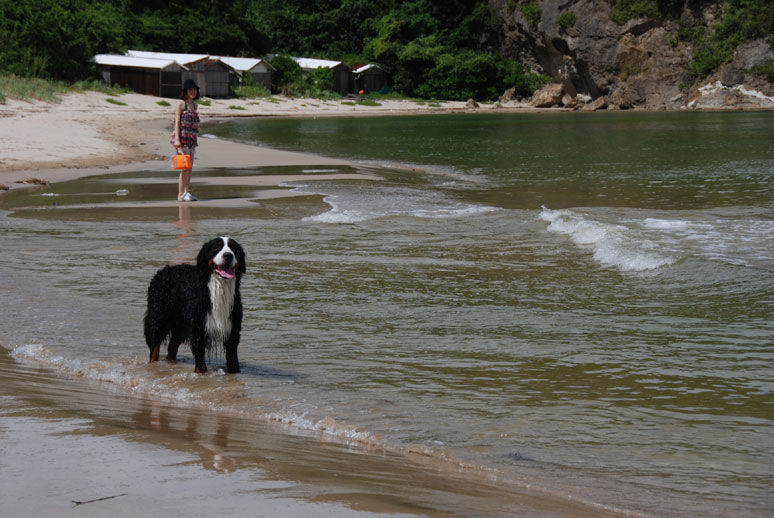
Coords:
pixel 180 161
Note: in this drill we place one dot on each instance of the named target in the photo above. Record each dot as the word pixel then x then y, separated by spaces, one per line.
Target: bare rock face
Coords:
pixel 640 64
pixel 600 103
pixel 549 95
pixel 508 95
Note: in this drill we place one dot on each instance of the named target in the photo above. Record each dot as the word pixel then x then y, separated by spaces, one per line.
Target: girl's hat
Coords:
pixel 189 83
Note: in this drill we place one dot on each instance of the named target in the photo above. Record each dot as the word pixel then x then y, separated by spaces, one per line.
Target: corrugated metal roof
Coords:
pixel 240 64
pixel 183 59
pixel 133 61
pixel 314 64
pixel 367 67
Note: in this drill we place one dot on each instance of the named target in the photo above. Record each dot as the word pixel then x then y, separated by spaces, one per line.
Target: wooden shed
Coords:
pixel 370 78
pixel 255 68
pixel 194 64
pixel 148 76
pixel 343 80
pixel 218 76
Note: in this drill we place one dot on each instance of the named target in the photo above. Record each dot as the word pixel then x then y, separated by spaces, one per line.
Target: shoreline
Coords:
pixel 85 135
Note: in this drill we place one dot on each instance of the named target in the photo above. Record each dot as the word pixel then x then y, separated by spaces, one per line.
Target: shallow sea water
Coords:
pixel 580 306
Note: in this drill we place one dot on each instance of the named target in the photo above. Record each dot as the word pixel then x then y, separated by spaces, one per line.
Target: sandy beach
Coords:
pixel 85 134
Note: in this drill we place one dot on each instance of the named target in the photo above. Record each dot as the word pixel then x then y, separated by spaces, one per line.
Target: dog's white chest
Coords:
pixel 218 323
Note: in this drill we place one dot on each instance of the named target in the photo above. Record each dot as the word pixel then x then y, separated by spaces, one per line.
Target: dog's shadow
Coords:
pixel 264 371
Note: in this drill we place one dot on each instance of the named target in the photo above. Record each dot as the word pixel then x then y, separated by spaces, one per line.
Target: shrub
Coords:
pixel 566 20
pixel 250 89
pixel 765 71
pixel 744 20
pixel 531 11
pixel 317 84
pixel 286 71
pixel 470 74
pixel 621 11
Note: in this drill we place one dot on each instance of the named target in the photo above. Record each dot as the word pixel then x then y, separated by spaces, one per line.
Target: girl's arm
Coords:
pixel 178 113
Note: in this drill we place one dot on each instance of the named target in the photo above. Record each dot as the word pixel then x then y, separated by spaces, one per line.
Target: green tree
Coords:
pixel 286 71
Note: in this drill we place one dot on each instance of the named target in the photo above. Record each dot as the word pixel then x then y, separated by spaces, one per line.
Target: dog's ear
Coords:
pixel 240 255
pixel 205 254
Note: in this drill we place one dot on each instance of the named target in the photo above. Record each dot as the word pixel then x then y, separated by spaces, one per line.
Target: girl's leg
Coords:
pixel 183 182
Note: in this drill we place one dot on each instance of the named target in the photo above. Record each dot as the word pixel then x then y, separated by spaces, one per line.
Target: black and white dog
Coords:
pixel 199 304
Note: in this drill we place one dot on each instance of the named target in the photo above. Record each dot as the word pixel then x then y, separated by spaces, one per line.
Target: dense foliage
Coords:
pixel 417 42
pixel 430 48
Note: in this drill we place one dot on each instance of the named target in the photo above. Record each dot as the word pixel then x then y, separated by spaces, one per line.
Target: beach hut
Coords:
pixel 370 78
pixel 195 65
pixel 343 81
pixel 159 77
pixel 255 68
pixel 218 76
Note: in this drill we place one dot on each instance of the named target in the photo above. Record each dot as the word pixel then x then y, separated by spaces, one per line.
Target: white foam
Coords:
pixel 364 208
pixel 732 236
pixel 335 216
pixel 613 245
pixel 168 383
pixel 470 210
pixel 665 223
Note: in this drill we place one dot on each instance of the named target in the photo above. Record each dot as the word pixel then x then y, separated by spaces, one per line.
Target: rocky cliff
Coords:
pixel 641 63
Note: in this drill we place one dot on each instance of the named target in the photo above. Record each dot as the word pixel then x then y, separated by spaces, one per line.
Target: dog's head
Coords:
pixel 222 256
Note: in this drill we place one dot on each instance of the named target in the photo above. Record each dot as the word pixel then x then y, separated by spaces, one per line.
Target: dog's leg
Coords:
pixel 173 346
pixel 232 361
pixel 198 348
pixel 154 353
pixel 201 366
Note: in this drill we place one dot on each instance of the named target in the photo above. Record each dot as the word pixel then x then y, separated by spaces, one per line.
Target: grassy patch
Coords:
pixel 31 88
pixel 621 11
pixel 204 102
pixel 48 90
pixel 163 103
pixel 235 107
pixel 630 70
pixel 251 90
pixel 115 101
pixel 566 20
pixel 765 71
pixel 531 11
pixel 368 102
pixel 348 103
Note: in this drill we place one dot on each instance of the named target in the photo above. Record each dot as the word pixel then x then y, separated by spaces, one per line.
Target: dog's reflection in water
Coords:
pixel 206 437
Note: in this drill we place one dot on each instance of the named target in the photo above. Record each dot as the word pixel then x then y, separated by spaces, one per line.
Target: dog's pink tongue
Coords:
pixel 226 273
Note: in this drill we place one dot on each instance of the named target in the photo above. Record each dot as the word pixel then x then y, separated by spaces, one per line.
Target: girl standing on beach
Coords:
pixel 185 136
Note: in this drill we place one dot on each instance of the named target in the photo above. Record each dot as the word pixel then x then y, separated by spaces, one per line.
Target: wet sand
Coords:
pixel 70 447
